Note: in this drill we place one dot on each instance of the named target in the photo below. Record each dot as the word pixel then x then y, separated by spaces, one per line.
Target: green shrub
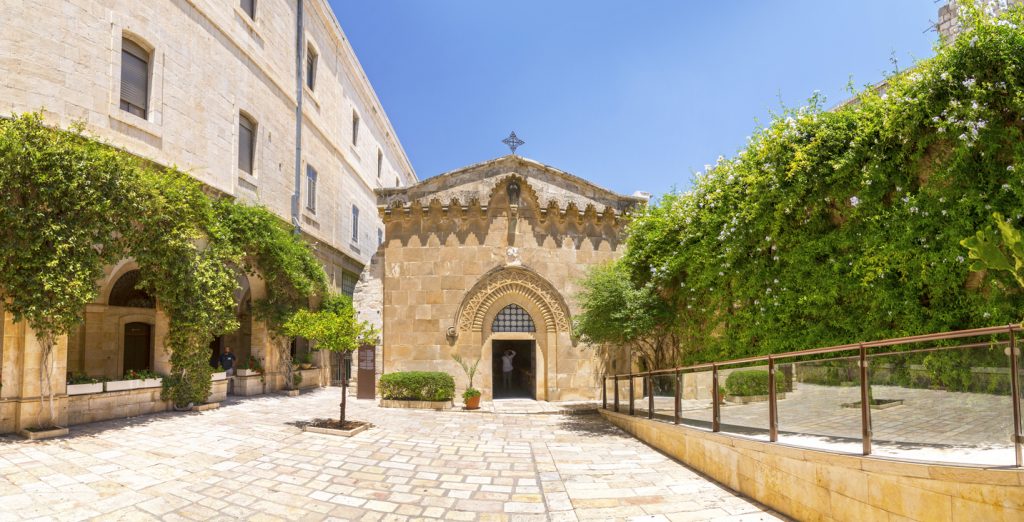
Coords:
pixel 417 386
pixel 752 382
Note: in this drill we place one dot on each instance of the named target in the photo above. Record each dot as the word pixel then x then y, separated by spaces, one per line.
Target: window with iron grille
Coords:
pixel 134 78
pixel 513 318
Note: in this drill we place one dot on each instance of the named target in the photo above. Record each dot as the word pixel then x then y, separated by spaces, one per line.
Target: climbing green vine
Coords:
pixel 839 226
pixel 70 205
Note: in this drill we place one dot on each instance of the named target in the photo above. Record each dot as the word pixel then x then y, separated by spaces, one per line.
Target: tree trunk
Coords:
pixel 344 390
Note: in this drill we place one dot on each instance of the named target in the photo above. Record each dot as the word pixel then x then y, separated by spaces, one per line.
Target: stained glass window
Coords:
pixel 513 318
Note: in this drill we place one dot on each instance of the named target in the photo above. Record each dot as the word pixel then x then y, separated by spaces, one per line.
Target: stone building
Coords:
pixel 263 101
pixel 486 260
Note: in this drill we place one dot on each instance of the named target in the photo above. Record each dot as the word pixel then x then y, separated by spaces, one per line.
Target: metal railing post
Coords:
pixel 773 407
pixel 632 395
pixel 1018 439
pixel 865 401
pixel 604 393
pixel 679 395
pixel 716 408
pixel 650 395
pixel 615 391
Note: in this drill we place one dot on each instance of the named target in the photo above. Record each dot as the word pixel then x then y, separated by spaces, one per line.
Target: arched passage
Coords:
pixel 493 319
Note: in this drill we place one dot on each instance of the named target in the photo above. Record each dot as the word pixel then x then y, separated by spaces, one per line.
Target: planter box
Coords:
pixel 416 405
pixel 290 393
pixel 219 376
pixel 247 385
pixel 338 433
pixel 745 399
pixel 122 385
pixel 43 434
pixel 82 389
pixel 245 372
pixel 206 407
pixel 152 383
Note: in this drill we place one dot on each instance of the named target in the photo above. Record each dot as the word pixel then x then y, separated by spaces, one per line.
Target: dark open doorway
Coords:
pixel 520 383
pixel 137 348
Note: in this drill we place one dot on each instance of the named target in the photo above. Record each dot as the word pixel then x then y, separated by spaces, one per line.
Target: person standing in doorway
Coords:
pixel 227 361
pixel 506 368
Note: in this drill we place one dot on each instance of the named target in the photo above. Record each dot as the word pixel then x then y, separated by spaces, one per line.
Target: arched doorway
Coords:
pixel 240 340
pixel 138 348
pixel 536 329
pixel 514 361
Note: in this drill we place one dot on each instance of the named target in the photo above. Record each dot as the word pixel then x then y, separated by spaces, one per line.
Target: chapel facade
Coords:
pixel 484 262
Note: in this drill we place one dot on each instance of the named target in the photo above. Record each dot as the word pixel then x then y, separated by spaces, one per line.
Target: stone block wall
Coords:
pixel 95 407
pixel 818 485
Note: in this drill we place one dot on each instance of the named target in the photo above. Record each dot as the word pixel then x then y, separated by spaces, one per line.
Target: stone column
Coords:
pixel 22 358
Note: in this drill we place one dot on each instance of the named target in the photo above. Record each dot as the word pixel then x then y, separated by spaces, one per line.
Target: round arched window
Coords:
pixel 513 318
pixel 125 293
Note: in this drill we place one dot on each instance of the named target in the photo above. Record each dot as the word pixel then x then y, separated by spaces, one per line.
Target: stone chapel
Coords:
pixel 484 262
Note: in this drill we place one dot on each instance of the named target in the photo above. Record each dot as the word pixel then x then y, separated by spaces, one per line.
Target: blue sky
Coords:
pixel 632 95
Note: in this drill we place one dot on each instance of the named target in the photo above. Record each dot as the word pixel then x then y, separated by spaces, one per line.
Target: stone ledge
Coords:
pixel 809 484
pixel 43 434
pixel 416 405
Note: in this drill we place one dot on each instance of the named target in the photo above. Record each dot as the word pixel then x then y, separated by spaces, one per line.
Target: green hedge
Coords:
pixel 752 382
pixel 417 386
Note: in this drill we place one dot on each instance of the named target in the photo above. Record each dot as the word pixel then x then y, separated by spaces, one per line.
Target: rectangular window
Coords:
pixel 310 67
pixel 348 282
pixel 397 184
pixel 249 6
pixel 246 143
pixel 380 163
pixel 380 237
pixel 311 189
pixel 355 224
pixel 134 78
pixel 355 128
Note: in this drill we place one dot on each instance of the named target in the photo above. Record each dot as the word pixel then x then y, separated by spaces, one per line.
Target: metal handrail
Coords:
pixel 860 353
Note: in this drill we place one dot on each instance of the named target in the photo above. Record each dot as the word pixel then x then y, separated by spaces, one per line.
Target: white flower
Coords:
pixel 913 210
pixel 959 259
pixel 1009 168
pixel 854 201
pixel 986 315
pixel 1006 186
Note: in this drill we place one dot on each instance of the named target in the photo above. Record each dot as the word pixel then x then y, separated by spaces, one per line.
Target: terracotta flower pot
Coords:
pixel 473 403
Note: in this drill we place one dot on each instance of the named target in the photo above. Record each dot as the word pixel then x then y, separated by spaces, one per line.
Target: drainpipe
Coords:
pixel 299 70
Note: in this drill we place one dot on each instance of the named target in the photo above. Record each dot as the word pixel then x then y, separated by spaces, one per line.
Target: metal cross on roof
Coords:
pixel 513 142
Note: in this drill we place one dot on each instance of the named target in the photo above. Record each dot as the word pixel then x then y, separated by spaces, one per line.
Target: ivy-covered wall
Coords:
pixel 838 226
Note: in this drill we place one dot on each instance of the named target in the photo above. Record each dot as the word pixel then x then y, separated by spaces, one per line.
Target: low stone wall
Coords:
pixel 416 405
pixel 817 485
pixel 95 407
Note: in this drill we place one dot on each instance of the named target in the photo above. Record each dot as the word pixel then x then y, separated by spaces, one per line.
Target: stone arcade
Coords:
pixel 485 260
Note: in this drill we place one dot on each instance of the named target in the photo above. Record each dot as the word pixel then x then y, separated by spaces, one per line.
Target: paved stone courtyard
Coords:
pixel 248 460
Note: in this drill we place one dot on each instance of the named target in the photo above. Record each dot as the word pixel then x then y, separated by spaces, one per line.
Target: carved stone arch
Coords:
pixel 528 197
pixel 523 282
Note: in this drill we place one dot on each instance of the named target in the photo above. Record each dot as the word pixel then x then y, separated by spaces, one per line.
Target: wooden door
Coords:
pixel 137 350
pixel 367 365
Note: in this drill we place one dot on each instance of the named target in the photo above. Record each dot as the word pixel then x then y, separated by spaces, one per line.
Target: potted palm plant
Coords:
pixel 471 397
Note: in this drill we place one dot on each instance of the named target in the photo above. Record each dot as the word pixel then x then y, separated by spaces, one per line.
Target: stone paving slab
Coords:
pixel 249 460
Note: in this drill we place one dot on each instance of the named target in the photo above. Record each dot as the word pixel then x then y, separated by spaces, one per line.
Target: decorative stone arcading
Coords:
pixel 512 280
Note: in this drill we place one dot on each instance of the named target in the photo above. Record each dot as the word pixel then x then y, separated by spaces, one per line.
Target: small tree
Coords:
pixel 470 370
pixel 334 327
pixel 619 313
